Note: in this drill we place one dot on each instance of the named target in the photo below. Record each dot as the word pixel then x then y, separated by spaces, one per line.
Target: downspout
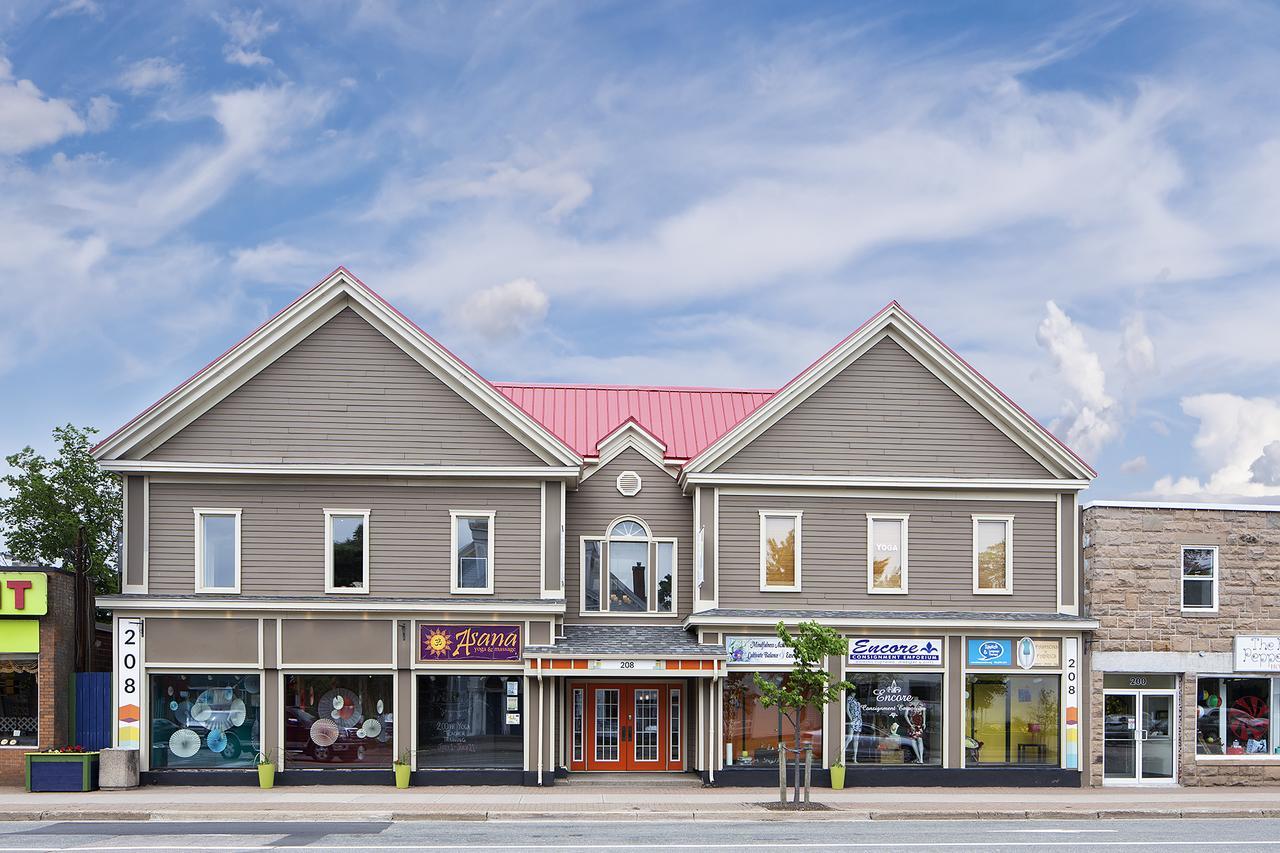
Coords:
pixel 716 714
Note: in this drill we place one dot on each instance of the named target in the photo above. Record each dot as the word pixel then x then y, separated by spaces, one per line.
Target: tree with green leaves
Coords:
pixel 809 684
pixel 51 501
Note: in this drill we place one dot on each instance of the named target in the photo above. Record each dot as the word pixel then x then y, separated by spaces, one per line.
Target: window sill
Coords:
pixel 993 592
pixel 888 592
pixel 780 589
pixel 1198 612
pixel 667 614
pixel 472 592
pixel 1256 758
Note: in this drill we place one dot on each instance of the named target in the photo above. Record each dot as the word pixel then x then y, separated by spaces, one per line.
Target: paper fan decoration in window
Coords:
pixel 371 728
pixel 342 705
pixel 201 710
pixel 216 741
pixel 184 743
pixel 236 713
pixel 324 732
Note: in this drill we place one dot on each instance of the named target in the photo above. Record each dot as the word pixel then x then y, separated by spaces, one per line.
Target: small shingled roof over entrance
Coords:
pixel 626 640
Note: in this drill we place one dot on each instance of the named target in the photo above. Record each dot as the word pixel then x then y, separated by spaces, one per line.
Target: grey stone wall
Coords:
pixel 1132 587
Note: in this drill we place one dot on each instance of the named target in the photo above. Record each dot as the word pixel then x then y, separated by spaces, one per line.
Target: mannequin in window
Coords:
pixel 915 731
pixel 853 725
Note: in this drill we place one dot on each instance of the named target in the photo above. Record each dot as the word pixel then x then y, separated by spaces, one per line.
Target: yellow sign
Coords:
pixel 19 635
pixel 24 593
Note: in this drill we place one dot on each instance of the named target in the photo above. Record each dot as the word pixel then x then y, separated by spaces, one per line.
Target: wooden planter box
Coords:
pixel 62 771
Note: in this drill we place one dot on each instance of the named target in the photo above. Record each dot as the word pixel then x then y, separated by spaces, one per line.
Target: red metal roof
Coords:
pixel 686 419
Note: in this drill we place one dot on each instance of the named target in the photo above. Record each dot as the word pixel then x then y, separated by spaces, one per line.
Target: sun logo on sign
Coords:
pixel 438 643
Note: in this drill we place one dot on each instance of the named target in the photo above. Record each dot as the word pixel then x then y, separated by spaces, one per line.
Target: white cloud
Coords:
pixel 1266 468
pixel 149 74
pixel 1235 434
pixel 1136 465
pixel 102 113
pixel 77 7
pixel 1091 411
pixel 246 33
pixel 502 311
pixel 277 261
pixel 1138 349
pixel 28 119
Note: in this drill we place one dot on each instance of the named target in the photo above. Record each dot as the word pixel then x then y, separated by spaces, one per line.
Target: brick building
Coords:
pixel 37 662
pixel 1185 663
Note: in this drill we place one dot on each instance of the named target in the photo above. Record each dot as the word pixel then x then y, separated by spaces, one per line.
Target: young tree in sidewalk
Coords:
pixel 809 684
pixel 57 505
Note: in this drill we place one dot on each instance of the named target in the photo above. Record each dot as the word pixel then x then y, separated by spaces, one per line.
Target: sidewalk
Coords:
pixel 364 802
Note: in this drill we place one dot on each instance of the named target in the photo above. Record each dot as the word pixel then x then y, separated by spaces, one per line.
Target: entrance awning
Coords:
pixel 626 650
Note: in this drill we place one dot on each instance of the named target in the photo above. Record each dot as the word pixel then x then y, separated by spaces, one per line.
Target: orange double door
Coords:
pixel 619 725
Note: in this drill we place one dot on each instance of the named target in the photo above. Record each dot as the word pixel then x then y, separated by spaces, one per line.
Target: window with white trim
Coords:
pixel 887 553
pixel 471 549
pixel 346 556
pixel 1235 715
pixel 993 555
pixel 1200 578
pixel 779 551
pixel 217 550
pixel 628 571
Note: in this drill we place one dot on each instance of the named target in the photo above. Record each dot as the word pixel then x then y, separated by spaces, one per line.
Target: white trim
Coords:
pixel 934 357
pixel 1175 505
pixel 455 586
pixel 1008 628
pixel 146 534
pixel 142 466
pixel 542 542
pixel 1057 550
pixel 1007 521
pixel 337 608
pixel 338 291
pixel 328 551
pixel 630 436
pixel 564 505
pixel 793 514
pixel 1215 581
pixel 872 518
pixel 638 479
pixel 651 542
pixel 887 494
pixel 200 513
pixel 715 548
pixel 861 482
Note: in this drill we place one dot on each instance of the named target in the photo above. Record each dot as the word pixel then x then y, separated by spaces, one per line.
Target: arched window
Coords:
pixel 635 571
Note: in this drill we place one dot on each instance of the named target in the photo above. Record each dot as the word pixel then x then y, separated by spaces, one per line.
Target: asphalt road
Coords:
pixel 1246 834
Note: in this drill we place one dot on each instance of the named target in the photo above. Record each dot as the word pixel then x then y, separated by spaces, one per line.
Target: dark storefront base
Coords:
pixel 422 778
pixel 908 777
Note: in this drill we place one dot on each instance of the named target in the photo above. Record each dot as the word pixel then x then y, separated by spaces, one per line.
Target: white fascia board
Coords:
pixel 858 482
pixel 1177 505
pixel 630 436
pixel 314 308
pixel 142 466
pixel 704 620
pixel 961 378
pixel 214 603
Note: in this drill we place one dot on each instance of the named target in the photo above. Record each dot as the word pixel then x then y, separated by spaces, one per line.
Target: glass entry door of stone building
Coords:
pixel 1139 737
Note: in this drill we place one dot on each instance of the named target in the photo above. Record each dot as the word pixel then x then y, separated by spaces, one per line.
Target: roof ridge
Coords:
pixel 595 386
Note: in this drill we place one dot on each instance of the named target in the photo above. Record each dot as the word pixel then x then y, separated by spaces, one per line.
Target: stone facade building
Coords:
pixel 1187 599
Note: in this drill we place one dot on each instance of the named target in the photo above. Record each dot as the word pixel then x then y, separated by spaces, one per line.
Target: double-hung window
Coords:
pixel 346 556
pixel 217 550
pixel 779 551
pixel 993 555
pixel 471 544
pixel 629 570
pixel 1200 578
pixel 887 553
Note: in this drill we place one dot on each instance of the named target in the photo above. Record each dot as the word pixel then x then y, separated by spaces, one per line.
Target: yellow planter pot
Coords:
pixel 402 775
pixel 837 777
pixel 266 775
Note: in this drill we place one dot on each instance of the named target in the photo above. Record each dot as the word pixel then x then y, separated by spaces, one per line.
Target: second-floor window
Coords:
pixel 629 570
pixel 779 551
pixel 886 553
pixel 472 549
pixel 1200 578
pixel 347 550
pixel 217 550
pixel 993 555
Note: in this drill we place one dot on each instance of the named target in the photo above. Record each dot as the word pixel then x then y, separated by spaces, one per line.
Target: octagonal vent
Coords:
pixel 629 483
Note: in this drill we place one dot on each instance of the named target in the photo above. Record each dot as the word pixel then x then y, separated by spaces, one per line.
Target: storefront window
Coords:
pixel 893 718
pixel 752 731
pixel 19 702
pixel 205 721
pixel 1012 719
pixel 338 721
pixel 470 721
pixel 1233 716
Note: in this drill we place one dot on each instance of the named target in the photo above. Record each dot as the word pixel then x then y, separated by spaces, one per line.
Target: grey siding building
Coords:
pixel 343 547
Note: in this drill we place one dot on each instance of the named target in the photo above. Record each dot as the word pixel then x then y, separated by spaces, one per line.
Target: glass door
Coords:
pixel 605 716
pixel 1120 737
pixel 1159 728
pixel 646 734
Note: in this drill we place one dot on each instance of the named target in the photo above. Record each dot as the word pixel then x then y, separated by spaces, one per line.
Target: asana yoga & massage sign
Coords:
pixel 467 642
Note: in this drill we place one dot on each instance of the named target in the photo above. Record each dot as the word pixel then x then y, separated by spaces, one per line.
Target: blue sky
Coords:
pixel 1083 200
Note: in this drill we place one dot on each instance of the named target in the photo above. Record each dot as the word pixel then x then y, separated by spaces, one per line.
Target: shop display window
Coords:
pixel 19 702
pixel 205 721
pixel 752 731
pixel 467 721
pixel 893 718
pixel 334 721
pixel 1012 720
pixel 1233 716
